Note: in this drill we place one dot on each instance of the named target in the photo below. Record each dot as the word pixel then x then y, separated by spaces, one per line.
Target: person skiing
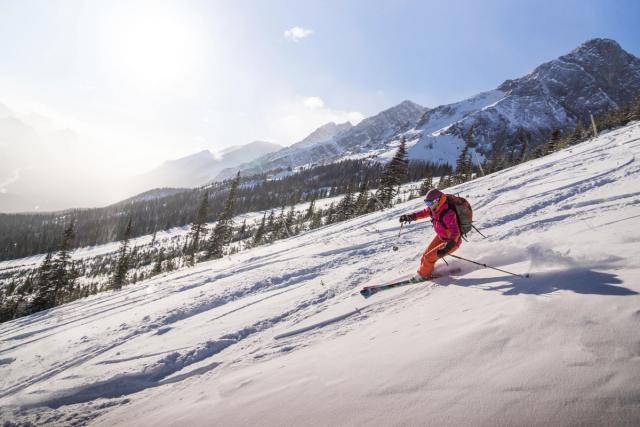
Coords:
pixel 445 223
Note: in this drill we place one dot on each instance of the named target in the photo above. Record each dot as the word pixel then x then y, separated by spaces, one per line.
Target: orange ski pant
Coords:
pixel 429 257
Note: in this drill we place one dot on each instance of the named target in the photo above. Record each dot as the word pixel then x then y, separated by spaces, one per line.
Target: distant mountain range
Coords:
pixel 596 76
pixel 202 167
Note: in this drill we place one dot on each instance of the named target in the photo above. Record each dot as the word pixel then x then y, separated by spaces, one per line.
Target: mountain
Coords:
pixel 155 194
pixel 315 147
pixel 332 142
pixel 373 133
pixel 596 76
pixel 277 335
pixel 200 168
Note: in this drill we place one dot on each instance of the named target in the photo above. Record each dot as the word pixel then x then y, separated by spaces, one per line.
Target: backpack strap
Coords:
pixel 450 207
pixel 441 220
pixel 442 214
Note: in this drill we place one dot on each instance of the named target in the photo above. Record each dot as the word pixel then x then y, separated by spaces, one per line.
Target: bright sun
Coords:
pixel 151 47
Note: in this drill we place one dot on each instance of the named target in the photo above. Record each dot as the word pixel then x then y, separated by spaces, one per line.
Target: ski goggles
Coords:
pixel 430 203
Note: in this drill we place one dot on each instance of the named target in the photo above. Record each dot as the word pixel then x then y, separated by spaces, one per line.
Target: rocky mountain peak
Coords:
pixel 323 134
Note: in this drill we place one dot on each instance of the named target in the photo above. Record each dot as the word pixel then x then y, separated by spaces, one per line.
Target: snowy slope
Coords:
pixel 279 335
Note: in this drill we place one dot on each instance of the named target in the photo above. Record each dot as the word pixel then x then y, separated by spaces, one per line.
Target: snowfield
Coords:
pixel 279 335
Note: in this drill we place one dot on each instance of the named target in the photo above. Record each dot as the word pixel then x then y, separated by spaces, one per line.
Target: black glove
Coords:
pixel 449 245
pixel 407 218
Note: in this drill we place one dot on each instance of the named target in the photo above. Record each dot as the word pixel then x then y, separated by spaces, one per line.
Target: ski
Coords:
pixel 367 291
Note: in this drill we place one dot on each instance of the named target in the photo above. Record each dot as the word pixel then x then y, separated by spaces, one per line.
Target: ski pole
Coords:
pixel 488 266
pixel 395 247
pixel 440 246
pixel 474 227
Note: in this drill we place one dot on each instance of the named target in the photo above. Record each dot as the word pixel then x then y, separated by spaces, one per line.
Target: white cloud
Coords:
pixel 297 33
pixel 296 119
pixel 313 102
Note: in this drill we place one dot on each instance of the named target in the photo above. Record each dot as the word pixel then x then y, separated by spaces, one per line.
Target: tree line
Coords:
pixel 28 234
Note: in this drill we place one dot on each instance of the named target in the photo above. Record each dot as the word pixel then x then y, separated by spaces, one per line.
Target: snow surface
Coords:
pixel 279 335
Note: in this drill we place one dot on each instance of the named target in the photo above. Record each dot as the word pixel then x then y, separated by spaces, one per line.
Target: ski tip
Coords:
pixel 366 292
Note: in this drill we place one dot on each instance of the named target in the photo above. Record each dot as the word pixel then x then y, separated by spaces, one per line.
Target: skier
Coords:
pixel 445 223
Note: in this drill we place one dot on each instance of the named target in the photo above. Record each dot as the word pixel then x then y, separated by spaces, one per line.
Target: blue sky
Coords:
pixel 163 79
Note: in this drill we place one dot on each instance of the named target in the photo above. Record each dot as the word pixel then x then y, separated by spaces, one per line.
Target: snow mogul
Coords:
pixel 451 217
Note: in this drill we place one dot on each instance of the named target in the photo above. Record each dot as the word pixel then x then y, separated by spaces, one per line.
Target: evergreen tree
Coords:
pixel 394 173
pixel 61 277
pixel 462 165
pixel 44 297
pixel 309 213
pixel 346 206
pixel 362 201
pixel 522 139
pixel 157 266
pixel 241 234
pixel 280 227
pixel 122 265
pixel 198 230
pixel 331 214
pixel 316 220
pixel 223 230
pixel 289 221
pixel 271 225
pixel 553 144
pixel 578 133
pixel 499 158
pixel 445 182
pixel 426 185
pixel 260 232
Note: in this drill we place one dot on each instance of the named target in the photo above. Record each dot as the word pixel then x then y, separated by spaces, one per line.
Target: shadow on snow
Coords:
pixel 578 279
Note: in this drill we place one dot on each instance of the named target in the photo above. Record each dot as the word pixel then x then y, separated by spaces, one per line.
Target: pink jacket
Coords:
pixel 447 231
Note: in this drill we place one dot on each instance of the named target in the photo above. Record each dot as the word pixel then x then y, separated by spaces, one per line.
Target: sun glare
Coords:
pixel 152 48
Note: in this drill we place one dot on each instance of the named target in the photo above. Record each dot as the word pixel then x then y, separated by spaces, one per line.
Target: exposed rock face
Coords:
pixel 596 76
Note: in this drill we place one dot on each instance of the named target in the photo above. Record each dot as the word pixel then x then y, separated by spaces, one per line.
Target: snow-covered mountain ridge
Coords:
pixel 595 77
pixel 278 335
pixel 338 142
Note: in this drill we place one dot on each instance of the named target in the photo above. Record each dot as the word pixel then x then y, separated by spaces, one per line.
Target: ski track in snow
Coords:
pixel 76 362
